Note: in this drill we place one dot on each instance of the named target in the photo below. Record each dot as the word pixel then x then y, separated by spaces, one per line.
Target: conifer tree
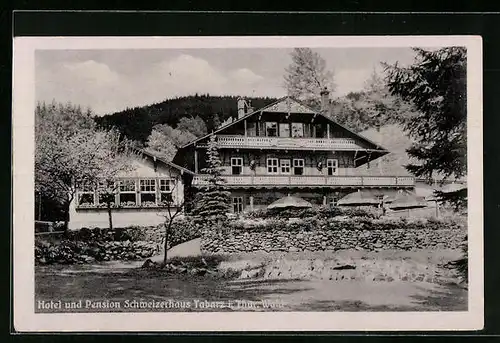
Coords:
pixel 212 202
pixel 435 84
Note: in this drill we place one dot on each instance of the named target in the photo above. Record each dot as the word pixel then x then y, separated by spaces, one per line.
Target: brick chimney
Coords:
pixel 325 100
pixel 241 107
pixel 249 107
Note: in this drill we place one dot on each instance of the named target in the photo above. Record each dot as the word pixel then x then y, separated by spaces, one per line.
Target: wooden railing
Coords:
pixel 286 142
pixel 303 180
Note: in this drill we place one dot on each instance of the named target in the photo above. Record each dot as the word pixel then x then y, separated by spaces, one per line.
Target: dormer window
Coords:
pixel 320 131
pixel 271 129
pixel 251 129
pixel 284 130
pixel 297 130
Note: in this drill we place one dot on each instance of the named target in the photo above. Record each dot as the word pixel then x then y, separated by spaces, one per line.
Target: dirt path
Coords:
pixel 325 295
pixel 103 282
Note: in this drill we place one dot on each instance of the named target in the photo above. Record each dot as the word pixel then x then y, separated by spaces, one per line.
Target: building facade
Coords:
pixel 142 196
pixel 288 148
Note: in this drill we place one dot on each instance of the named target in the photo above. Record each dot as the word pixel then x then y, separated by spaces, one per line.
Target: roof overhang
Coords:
pixel 162 160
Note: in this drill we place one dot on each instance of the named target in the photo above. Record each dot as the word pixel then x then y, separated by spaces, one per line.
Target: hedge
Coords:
pixel 130 243
pixel 341 223
pixel 317 211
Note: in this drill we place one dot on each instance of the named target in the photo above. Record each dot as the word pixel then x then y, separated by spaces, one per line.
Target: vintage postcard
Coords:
pixel 247 183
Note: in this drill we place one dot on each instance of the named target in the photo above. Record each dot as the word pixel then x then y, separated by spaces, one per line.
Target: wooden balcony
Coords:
pixel 309 181
pixel 227 141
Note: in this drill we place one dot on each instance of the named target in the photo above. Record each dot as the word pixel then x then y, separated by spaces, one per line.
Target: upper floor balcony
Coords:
pixel 309 181
pixel 236 141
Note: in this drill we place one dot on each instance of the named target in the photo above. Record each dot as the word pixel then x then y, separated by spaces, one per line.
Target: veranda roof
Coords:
pixel 450 188
pixel 290 201
pixel 359 198
pixel 453 187
pixel 406 200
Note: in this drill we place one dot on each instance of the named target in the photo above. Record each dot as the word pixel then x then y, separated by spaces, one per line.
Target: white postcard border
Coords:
pixel 25 318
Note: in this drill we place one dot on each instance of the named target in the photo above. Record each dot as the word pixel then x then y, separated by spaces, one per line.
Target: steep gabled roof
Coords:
pixel 162 160
pixel 275 107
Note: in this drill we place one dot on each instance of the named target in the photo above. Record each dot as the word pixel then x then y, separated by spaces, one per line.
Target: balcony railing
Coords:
pixel 303 180
pixel 287 142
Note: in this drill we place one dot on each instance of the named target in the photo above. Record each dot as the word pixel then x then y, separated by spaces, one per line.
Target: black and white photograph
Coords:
pixel 280 178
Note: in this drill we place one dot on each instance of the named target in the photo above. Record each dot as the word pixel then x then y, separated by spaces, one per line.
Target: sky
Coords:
pixel 111 80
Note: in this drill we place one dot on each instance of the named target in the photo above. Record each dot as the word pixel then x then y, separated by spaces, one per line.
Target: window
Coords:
pixel 271 129
pixel 106 193
pixel 332 201
pixel 332 167
pixel 284 130
pixel 307 130
pixel 298 167
pixel 285 166
pixel 148 192
pixel 86 199
pixel 85 195
pixel 272 166
pixel 320 131
pixel 261 129
pixel 238 204
pixel 236 165
pixel 297 130
pixel 251 129
pixel 165 191
pixel 127 193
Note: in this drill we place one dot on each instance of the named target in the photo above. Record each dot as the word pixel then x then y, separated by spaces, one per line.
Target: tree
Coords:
pixel 380 105
pixel 178 137
pixel 70 153
pixel 114 158
pixel 165 140
pixel 307 76
pixel 161 144
pixel 195 125
pixel 212 203
pixel 216 122
pixel 173 210
pixel 373 106
pixel 347 111
pixel 435 84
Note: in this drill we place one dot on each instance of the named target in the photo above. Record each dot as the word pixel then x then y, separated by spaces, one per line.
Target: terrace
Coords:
pixel 310 181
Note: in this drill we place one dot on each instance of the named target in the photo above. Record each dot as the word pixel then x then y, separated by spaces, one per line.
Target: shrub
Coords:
pixel 130 243
pixel 132 233
pixel 361 211
pixel 339 223
pixel 183 230
pixel 70 252
pixel 317 211
pixel 462 265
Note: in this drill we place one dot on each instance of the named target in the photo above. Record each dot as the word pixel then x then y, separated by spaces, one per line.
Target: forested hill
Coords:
pixel 136 123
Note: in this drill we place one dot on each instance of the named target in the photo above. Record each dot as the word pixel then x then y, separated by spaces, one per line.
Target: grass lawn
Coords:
pixel 100 283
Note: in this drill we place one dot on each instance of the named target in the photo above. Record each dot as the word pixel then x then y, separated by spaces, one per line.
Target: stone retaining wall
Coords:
pixel 235 241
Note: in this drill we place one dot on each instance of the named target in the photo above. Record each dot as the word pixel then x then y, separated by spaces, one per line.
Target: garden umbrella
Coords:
pixel 290 202
pixel 450 188
pixel 453 187
pixel 407 201
pixel 359 198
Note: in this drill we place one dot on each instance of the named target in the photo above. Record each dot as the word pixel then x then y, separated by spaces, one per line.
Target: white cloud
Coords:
pixel 89 84
pixel 350 80
pixel 94 84
pixel 245 75
pixel 91 71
